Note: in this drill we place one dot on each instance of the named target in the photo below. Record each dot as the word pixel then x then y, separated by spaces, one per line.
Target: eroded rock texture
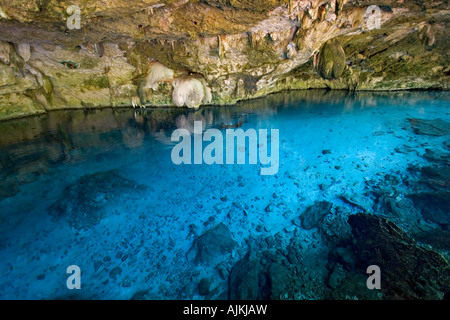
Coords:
pixel 190 52
pixel 410 271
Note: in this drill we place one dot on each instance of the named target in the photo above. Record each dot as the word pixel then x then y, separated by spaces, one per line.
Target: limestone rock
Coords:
pixel 212 244
pixel 15 105
pixel 427 36
pixel 409 271
pixel 314 214
pixel 331 60
pixel 5 50
pixel 339 6
pixel 6 75
pixel 158 73
pixel 244 279
pixel 82 204
pixel 24 50
pixel 435 127
pixel 191 92
pixel 219 51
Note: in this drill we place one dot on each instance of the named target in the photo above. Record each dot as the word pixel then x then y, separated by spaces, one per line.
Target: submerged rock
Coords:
pixel 439 158
pixel 439 239
pixel 251 280
pixel 408 271
pixel 8 188
pixel 204 286
pixel 434 206
pixel 244 281
pixel 353 287
pixel 433 201
pixel 335 226
pixel 281 267
pixel 436 177
pixel 314 214
pixel 212 244
pixel 436 127
pixel 84 203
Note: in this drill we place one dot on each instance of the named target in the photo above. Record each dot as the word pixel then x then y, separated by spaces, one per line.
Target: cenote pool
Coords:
pixel 363 179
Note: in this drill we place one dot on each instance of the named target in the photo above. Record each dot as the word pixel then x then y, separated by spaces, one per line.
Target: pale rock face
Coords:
pixel 191 92
pixel 5 50
pixel 24 50
pixel 3 14
pixel 158 73
pixel 291 50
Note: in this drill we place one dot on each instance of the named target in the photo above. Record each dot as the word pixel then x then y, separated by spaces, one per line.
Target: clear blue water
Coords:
pixel 139 225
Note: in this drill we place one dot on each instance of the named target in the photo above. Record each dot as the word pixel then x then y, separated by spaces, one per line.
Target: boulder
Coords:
pixel 314 214
pixel 408 270
pixel 244 279
pixel 212 244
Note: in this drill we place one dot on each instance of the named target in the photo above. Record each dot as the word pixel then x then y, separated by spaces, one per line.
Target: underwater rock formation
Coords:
pixel 431 196
pixel 409 271
pixel 82 204
pixel 314 214
pixel 126 54
pixel 244 279
pixel 436 127
pixel 212 244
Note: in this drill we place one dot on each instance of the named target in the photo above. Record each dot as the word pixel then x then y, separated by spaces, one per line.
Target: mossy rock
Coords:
pixel 331 62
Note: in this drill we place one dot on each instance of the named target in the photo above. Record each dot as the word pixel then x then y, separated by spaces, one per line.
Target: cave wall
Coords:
pixel 195 52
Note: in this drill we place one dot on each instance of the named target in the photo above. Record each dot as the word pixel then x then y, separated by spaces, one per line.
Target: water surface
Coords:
pixel 98 189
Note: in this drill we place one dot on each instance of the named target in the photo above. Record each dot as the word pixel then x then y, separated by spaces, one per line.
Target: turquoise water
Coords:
pixel 98 189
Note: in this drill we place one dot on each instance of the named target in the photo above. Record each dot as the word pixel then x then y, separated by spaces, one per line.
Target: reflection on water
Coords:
pixel 54 135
